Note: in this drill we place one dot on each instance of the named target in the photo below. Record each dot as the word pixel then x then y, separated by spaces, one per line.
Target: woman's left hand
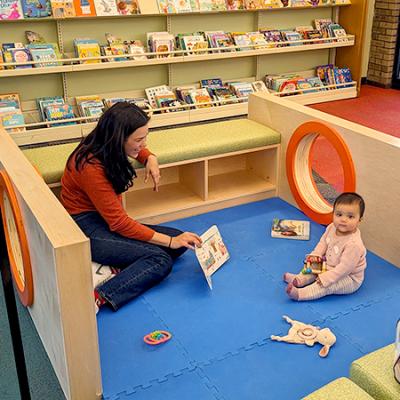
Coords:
pixel 153 170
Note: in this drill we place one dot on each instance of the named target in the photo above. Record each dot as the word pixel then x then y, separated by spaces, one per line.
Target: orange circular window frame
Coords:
pixel 24 286
pixel 299 171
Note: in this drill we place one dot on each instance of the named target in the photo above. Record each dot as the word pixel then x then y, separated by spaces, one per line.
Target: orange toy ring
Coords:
pixel 20 261
pixel 299 174
pixel 157 337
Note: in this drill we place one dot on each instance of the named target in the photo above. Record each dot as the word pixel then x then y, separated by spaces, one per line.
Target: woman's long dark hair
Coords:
pixel 106 144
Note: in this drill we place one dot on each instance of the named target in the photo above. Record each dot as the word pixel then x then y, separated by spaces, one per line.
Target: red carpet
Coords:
pixel 376 108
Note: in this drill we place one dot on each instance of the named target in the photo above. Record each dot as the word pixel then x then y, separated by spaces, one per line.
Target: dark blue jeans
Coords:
pixel 142 264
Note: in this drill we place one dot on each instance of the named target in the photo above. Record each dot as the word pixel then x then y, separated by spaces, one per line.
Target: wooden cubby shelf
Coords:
pixel 195 186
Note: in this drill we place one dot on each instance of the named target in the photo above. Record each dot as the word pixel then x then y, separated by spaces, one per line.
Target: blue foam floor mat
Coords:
pixel 220 347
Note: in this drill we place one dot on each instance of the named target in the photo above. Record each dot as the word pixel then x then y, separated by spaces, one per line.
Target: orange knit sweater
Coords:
pixel 89 190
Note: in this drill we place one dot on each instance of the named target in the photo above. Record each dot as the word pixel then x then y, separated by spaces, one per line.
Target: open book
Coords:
pixel 212 254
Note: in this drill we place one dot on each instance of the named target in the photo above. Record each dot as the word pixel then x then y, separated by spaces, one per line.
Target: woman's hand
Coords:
pixel 186 239
pixel 153 170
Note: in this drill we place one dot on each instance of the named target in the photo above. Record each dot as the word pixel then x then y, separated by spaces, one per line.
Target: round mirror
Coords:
pixel 327 169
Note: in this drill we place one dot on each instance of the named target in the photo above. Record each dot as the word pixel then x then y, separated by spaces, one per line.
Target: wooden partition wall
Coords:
pixel 63 307
pixel 376 157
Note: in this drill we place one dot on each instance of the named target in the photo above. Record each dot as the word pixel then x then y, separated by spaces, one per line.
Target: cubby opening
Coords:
pixel 242 174
pixel 181 187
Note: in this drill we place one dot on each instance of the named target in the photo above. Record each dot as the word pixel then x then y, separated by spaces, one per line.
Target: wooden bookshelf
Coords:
pixel 118 78
pixel 175 57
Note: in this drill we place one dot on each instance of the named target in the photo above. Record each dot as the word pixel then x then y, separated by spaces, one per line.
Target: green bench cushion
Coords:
pixel 339 389
pixel 171 145
pixel 374 373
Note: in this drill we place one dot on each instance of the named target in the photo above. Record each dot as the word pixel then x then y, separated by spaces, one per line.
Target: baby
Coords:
pixel 344 250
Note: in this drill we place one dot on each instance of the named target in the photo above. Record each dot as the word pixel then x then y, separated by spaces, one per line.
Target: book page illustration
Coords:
pixel 212 254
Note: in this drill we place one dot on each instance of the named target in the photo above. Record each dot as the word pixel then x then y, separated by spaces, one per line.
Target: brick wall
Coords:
pixel 383 43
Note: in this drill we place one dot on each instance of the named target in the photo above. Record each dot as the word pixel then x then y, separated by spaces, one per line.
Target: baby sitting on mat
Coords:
pixel 342 248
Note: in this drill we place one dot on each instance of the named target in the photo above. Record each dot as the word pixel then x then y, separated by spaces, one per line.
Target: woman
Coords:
pixel 97 172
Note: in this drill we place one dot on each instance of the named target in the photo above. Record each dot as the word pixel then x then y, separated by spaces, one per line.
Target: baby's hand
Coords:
pixel 313 259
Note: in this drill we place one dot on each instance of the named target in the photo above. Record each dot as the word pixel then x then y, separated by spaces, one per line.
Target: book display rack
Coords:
pixel 130 77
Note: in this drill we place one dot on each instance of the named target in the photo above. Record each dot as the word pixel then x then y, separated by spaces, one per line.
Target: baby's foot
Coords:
pixel 292 291
pixel 288 277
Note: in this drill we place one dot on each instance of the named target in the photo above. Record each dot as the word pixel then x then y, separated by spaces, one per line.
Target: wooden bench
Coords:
pixel 203 167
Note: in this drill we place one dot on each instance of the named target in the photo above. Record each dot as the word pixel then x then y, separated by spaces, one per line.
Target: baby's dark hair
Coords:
pixel 350 198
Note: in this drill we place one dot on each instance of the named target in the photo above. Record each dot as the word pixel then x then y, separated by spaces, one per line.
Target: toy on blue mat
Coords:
pixel 157 337
pixel 314 265
pixel 301 333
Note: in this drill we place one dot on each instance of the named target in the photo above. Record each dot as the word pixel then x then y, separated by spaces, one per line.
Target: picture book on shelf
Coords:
pixel 11 113
pixel 194 5
pixel 201 98
pixel 136 47
pixel 152 92
pixel 36 8
pixel 89 106
pixel 21 56
pixel 194 43
pixel 273 37
pixel 259 86
pixel 84 8
pixel 166 6
pixel 211 83
pixel 86 48
pixel 234 5
pixel 290 229
pixel 62 8
pixel 55 112
pixel 10 100
pixel 205 5
pixel 253 4
pixel 218 5
pixel 45 54
pixel 10 9
pixel 243 40
pixel 128 7
pixel 12 118
pixel 183 6
pixel 43 102
pixel 212 254
pixel 105 7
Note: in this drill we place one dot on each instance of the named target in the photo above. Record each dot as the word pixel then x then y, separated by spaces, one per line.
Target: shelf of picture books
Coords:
pixel 12 10
pixel 187 6
pixel 38 56
pixel 209 99
pixel 325 83
pixel 205 183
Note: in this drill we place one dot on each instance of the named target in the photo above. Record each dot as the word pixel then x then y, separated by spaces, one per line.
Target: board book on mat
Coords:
pixel 290 229
pixel 212 254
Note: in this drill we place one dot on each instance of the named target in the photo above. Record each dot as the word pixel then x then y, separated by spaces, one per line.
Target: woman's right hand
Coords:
pixel 186 239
